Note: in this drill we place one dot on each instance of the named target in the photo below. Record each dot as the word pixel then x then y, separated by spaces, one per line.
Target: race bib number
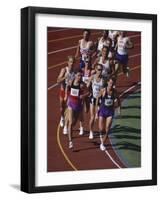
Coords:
pixel 74 92
pixel 84 56
pixel 108 102
pixel 96 92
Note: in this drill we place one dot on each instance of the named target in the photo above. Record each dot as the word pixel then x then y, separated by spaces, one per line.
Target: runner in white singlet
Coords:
pixel 104 41
pixel 106 62
pixel 87 72
pixel 123 44
pixel 84 48
pixel 66 74
pixel 96 83
pixel 113 36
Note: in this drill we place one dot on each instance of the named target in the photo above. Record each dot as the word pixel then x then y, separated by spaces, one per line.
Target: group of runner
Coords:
pixel 91 87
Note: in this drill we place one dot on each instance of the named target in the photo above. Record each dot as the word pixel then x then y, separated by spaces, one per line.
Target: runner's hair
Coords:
pixel 87 30
pixel 71 57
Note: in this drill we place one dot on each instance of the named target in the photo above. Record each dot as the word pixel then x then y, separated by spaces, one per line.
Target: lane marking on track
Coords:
pixel 136 67
pixel 62 63
pixel 133 36
pixel 135 55
pixel 56 84
pixel 129 89
pixel 107 153
pixel 71 37
pixel 62 150
pixel 57 65
pixel 74 47
pixel 110 157
pixel 60 50
pixel 59 30
pixel 52 86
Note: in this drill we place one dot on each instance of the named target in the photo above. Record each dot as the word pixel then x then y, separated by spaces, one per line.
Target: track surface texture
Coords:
pixel 86 154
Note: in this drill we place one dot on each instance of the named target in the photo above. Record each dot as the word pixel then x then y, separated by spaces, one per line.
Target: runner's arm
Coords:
pixel 94 64
pixel 67 89
pixel 117 100
pixel 89 81
pixel 61 76
pixel 129 44
pixel 95 48
pixel 99 97
pixel 77 50
pixel 85 91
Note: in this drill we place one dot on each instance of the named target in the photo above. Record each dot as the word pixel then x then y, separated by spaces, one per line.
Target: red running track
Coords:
pixel 86 154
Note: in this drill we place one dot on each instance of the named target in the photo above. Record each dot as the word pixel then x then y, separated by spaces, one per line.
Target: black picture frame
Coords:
pixel 28 98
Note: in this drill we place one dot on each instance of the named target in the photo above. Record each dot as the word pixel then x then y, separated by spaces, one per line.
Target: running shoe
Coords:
pixel 65 130
pixel 102 147
pixel 62 122
pixel 70 145
pixel 128 72
pixel 91 135
pixel 81 131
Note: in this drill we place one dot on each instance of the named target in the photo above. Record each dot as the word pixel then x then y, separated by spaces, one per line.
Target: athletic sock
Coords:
pixel 101 138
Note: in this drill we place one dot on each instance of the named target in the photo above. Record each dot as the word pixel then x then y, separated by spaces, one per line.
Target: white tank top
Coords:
pixel 102 43
pixel 106 67
pixel 96 87
pixel 121 42
pixel 86 76
pixel 85 49
pixel 112 36
pixel 70 75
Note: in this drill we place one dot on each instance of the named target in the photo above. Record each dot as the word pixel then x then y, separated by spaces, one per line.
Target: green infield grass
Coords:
pixel 125 134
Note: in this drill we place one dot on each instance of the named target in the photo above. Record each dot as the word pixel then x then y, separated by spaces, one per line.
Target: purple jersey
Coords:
pixel 74 100
pixel 107 105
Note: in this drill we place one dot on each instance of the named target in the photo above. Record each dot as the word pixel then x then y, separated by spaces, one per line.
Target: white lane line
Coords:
pixel 58 30
pixel 133 36
pixel 107 153
pixel 59 64
pixel 73 47
pixel 129 89
pixel 52 86
pixel 114 162
pixel 60 50
pixel 135 55
pixel 55 84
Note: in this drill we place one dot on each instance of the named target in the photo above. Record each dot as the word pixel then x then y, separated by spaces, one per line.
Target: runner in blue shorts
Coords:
pixel 85 47
pixel 123 44
pixel 109 100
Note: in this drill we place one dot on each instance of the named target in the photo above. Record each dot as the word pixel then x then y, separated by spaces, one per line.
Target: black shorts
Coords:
pixel 93 101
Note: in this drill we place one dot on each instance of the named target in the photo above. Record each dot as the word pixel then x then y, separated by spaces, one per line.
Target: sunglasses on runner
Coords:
pixel 86 61
pixel 99 69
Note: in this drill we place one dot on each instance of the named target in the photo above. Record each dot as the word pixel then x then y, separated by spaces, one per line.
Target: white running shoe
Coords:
pixel 91 135
pixel 81 131
pixel 65 130
pixel 102 147
pixel 62 122
pixel 128 72
pixel 70 145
